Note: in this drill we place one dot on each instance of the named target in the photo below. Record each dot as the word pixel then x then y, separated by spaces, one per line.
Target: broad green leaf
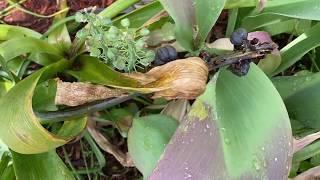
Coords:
pixel 276 24
pixel 60 37
pixel 40 166
pixel 8 32
pixel 262 20
pixel 300 94
pixel 207 13
pixel 140 16
pixel 44 96
pixel 296 49
pixel 308 9
pixel 270 63
pixel 230 4
pixel 94 71
pixel 20 46
pixel 44 59
pixel 20 129
pixel 238 129
pixel 183 14
pixel 147 139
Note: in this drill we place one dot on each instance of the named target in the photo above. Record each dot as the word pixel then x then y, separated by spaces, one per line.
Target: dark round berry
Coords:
pixel 241 68
pixel 239 36
pixel 165 54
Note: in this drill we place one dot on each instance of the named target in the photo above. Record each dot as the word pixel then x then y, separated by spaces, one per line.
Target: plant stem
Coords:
pixel 117 7
pixel 79 111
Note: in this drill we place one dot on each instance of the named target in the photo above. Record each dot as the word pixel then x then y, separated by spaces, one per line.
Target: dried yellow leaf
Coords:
pixel 77 93
pixel 179 79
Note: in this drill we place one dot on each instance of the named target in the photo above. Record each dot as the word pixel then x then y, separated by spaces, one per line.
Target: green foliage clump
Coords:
pixel 121 47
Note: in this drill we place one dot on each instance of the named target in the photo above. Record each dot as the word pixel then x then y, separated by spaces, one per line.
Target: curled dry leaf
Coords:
pixel 77 93
pixel 179 79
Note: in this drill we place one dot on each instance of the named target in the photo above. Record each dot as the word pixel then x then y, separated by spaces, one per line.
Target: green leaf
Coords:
pixel 296 49
pixel 183 14
pixel 306 152
pixel 238 129
pixel 300 94
pixel 230 4
pixel 94 71
pixel 8 32
pixel 20 46
pixel 5 159
pixel 117 7
pixel 44 96
pixel 40 166
pixel 8 173
pixel 4 87
pixel 147 139
pixel 20 129
pixel 141 15
pixel 60 36
pixel 309 9
pixel 207 13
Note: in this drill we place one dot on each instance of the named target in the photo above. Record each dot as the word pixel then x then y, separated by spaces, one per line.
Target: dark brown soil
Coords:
pixel 44 7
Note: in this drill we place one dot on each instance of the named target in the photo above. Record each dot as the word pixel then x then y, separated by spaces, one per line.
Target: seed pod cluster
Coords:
pixel 239 38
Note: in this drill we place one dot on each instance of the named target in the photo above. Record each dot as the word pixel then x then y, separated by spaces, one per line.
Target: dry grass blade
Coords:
pixel 104 144
pixel 311 174
pixel 156 18
pixel 299 144
pixel 177 109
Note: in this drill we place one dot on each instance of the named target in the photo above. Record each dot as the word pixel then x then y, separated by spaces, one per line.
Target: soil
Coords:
pixel 44 7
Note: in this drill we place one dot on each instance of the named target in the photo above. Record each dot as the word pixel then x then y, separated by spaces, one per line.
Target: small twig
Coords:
pixel 106 145
pixel 252 52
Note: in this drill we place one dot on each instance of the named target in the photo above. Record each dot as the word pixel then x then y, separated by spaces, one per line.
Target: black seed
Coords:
pixel 241 68
pixel 165 54
pixel 172 53
pixel 239 36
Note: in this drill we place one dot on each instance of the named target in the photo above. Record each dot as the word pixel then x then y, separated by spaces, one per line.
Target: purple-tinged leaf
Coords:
pixel 238 129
